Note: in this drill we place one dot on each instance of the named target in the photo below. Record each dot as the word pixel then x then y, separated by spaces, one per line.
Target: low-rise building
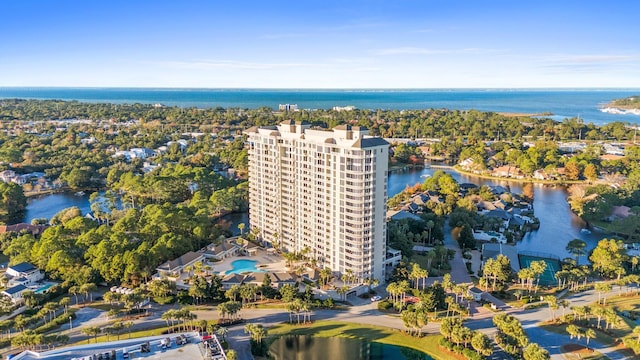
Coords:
pixel 222 251
pixel 230 280
pixel 175 267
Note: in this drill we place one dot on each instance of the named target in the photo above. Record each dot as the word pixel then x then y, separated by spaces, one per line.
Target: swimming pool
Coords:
pixel 241 266
pixel 44 288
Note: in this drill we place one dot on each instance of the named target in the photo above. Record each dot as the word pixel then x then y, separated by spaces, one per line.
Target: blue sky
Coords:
pixel 321 44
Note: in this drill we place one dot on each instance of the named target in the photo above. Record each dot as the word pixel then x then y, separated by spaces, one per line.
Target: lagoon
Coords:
pixel 558 224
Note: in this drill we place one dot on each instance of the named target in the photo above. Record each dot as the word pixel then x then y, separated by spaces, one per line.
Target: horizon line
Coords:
pixel 321 89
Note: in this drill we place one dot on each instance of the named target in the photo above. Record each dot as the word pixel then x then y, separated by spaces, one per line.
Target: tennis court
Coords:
pixel 548 277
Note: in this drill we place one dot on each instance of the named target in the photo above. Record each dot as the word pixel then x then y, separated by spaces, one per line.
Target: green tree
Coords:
pixel 482 344
pixel 13 203
pixel 533 351
pixel 577 248
pixel 590 172
pixel 608 256
pixel 465 238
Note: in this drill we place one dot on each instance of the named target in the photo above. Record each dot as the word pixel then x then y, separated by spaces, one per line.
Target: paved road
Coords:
pixel 459 273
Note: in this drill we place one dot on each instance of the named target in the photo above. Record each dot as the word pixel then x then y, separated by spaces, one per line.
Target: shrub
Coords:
pixel 164 300
pixel 444 342
pixel 471 355
pixel 384 305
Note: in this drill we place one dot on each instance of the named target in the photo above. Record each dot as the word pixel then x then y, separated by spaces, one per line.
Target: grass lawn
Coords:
pixel 104 306
pixel 420 260
pixel 579 352
pixel 625 302
pixel 427 344
pixel 601 337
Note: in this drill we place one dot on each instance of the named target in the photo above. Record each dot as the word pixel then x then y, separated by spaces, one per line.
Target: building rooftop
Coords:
pixel 23 267
pixel 190 350
pixel 179 262
pixel 16 289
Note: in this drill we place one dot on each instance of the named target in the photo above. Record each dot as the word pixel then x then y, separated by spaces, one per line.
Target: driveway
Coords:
pixel 459 273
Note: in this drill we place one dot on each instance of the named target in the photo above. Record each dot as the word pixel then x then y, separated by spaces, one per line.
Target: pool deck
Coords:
pixel 266 262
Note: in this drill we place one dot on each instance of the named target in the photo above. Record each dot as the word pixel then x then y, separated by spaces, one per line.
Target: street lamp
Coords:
pixel 70 324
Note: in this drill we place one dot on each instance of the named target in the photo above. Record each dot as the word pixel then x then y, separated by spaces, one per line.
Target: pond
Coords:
pixel 294 347
pixel 47 206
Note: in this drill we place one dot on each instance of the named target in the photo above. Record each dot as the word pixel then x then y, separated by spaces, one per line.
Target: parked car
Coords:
pixel 376 298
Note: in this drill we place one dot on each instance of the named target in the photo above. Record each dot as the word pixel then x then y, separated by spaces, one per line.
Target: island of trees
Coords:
pixel 631 102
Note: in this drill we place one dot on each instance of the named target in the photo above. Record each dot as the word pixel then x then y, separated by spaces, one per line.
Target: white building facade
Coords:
pixel 321 190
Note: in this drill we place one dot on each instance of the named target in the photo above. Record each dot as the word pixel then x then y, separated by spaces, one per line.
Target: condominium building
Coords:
pixel 321 190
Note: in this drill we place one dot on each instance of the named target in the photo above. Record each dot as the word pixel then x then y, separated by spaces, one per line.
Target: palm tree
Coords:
pixel 241 227
pixel 87 290
pixel 577 248
pixel 564 304
pixel 573 331
pixel 128 325
pixel 589 334
pixel 601 288
pixel 92 331
pixel 65 301
pixel 325 276
pixel 74 291
pixel 222 331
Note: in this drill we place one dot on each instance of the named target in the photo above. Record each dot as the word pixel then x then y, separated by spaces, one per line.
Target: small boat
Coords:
pixel 585 231
pixel 79 193
pixel 425 176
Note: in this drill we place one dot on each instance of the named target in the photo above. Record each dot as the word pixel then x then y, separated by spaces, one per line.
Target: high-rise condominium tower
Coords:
pixel 321 191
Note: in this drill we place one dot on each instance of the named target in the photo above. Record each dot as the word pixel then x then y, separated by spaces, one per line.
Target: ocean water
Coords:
pixel 583 103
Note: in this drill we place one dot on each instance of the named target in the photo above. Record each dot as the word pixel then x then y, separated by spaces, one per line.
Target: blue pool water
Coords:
pixel 43 289
pixel 241 266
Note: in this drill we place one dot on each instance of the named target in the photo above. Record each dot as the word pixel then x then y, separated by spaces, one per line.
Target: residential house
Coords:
pixel 508 171
pixel 420 199
pixel 411 207
pixel 397 215
pixel 24 274
pixel 34 230
pixel 541 175
pixel 15 293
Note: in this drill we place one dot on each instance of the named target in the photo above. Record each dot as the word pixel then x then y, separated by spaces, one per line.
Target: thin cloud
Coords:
pixel 591 59
pixel 588 63
pixel 408 50
pixel 232 64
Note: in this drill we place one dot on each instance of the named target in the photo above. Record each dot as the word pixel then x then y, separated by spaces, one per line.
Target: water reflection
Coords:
pixel 311 348
pixel 558 224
